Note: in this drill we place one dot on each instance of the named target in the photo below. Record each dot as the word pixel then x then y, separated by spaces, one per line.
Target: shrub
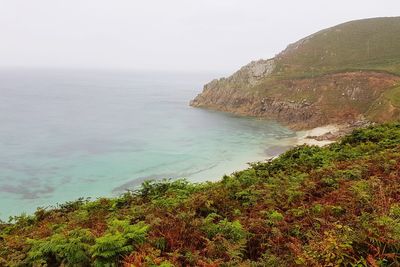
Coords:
pixel 120 239
pixel 166 193
pixel 395 211
pixel 332 250
pixel 362 191
pixel 72 249
pixel 230 230
pixel 337 210
pixel 336 205
pixel 274 217
pixel 109 248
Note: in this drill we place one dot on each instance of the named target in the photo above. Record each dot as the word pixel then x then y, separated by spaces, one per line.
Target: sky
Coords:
pixel 173 35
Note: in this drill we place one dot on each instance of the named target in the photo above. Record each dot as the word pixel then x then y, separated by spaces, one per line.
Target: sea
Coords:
pixel 66 134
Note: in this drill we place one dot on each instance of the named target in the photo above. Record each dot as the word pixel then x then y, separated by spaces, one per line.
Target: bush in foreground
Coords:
pixel 333 206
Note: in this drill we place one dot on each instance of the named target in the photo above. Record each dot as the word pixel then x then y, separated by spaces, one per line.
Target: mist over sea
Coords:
pixel 66 134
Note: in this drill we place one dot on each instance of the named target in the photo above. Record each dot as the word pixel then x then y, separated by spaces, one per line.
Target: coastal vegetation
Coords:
pixel 338 75
pixel 337 205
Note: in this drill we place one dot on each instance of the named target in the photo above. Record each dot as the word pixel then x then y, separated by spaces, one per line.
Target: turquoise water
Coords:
pixel 70 134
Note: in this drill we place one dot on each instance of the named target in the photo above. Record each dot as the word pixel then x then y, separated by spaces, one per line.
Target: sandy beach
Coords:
pixel 319 136
pixel 309 137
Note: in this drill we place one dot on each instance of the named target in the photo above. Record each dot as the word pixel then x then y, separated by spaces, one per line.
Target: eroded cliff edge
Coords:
pixel 333 76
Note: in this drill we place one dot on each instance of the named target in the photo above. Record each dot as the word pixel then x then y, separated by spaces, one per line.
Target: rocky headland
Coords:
pixel 346 75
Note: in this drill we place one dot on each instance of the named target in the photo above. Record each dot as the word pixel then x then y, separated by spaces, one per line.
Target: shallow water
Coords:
pixel 68 134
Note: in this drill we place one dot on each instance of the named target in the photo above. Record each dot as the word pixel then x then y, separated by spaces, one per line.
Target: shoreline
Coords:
pixel 318 136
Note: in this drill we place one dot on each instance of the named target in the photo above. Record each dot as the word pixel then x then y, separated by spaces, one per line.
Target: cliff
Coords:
pixel 338 75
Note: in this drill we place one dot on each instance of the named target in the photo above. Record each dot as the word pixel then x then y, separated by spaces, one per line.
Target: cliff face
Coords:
pixel 306 103
pixel 316 81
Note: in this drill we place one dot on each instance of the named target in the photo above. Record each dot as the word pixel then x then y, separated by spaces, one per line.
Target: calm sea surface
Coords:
pixel 70 134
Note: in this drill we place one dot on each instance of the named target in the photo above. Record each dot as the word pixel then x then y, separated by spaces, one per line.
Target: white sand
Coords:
pixel 302 135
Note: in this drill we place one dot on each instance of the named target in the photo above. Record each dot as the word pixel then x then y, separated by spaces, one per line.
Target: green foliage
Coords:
pixel 274 217
pixel 333 249
pixel 331 206
pixel 73 205
pixel 167 193
pixel 230 230
pixel 166 264
pixel 120 239
pixel 393 95
pixel 395 211
pixel 23 220
pixel 270 260
pixel 301 158
pixel 109 248
pixel 80 216
pixel 71 249
pixel 337 210
pixel 154 189
pixel 384 136
pixel 362 191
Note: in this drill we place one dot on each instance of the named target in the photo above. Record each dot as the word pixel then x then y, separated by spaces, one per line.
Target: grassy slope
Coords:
pixel 345 68
pixel 369 44
pixel 387 106
pixel 311 206
pixel 394 96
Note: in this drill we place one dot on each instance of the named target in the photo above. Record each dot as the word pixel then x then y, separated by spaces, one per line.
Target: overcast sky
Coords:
pixel 191 35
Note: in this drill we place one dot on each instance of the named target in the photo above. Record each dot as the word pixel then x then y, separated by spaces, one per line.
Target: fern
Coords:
pixel 108 248
pixel 70 250
pixel 120 239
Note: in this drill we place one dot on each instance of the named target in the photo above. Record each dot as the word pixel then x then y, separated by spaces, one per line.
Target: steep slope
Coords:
pixel 340 74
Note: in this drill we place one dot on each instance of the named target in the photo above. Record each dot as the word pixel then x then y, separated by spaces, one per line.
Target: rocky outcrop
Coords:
pixel 247 77
pixel 332 76
pixel 300 103
pixel 255 71
pixel 232 90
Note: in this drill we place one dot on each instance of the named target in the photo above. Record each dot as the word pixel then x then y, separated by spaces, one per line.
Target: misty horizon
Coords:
pixel 176 36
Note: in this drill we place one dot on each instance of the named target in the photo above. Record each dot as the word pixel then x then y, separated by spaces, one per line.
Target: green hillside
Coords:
pixel 369 44
pixel 332 206
pixel 339 75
